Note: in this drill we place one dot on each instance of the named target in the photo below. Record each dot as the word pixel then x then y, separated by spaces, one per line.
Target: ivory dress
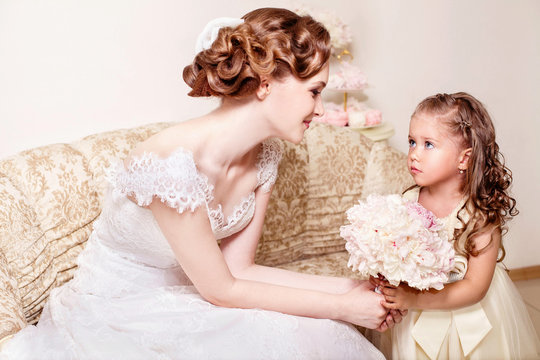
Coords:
pixel 498 327
pixel 130 298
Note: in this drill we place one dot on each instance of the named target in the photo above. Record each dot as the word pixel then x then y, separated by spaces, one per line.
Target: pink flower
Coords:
pixel 427 217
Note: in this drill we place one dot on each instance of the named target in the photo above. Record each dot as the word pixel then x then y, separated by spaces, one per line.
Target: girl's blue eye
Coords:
pixel 412 143
pixel 429 145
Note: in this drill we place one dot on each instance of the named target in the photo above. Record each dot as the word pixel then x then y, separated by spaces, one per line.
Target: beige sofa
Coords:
pixel 51 195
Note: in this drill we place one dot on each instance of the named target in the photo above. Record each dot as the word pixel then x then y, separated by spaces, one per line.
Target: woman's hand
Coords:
pixel 393 317
pixel 398 297
pixel 362 306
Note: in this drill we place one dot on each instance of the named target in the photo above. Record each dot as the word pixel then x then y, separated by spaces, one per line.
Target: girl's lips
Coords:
pixel 306 122
pixel 415 170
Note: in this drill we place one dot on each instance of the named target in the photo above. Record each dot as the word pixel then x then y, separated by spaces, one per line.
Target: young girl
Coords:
pixel 461 178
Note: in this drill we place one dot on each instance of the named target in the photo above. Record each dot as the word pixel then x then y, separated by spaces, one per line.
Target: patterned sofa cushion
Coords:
pixel 334 264
pixel 11 312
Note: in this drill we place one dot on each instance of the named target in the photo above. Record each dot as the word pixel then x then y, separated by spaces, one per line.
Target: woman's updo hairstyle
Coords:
pixel 271 42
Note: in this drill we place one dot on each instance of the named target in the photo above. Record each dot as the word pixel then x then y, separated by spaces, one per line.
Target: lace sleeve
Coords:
pixel 174 180
pixel 269 159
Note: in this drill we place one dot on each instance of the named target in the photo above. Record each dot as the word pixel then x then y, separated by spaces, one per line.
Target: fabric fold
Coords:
pixel 432 327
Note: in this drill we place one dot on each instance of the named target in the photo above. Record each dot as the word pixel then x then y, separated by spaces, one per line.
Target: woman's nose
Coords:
pixel 319 107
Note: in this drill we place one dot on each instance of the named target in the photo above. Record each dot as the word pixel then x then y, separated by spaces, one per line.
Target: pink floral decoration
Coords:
pixel 333 114
pixel 347 77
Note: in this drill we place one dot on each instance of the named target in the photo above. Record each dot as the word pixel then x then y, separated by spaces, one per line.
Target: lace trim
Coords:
pixel 268 163
pixel 238 212
pixel 174 180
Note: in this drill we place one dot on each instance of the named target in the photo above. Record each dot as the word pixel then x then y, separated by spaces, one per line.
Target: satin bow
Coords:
pixel 472 323
pixel 432 327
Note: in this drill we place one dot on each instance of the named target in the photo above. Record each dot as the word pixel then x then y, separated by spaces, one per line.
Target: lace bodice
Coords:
pixel 131 229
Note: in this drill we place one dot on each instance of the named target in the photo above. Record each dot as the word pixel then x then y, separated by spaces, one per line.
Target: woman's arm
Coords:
pixel 192 241
pixel 239 252
pixel 466 292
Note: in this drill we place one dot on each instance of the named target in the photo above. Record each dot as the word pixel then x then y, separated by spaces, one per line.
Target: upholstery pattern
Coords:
pixel 386 171
pixel 50 196
pixel 334 264
pixel 10 311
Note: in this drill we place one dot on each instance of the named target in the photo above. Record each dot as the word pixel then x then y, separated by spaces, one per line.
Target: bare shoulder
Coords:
pixel 489 239
pixel 182 135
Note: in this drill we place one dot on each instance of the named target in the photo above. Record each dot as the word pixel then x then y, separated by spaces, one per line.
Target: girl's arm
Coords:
pixel 194 245
pixel 468 291
pixel 239 252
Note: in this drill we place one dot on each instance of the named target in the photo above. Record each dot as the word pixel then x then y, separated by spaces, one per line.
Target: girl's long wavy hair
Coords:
pixel 271 42
pixel 487 179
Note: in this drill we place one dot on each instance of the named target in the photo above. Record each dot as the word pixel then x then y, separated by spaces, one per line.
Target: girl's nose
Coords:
pixel 413 153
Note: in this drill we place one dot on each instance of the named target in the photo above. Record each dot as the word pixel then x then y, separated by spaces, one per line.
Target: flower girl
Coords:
pixel 460 176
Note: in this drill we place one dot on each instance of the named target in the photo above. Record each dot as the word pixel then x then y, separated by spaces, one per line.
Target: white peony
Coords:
pixel 400 240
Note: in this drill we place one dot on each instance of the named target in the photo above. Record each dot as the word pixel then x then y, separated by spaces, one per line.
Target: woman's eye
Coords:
pixel 429 145
pixel 412 143
pixel 315 92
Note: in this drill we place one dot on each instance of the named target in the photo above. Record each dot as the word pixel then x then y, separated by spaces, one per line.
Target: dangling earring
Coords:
pixel 461 171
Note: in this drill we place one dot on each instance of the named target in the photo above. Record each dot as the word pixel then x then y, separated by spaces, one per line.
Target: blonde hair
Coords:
pixel 487 179
pixel 271 42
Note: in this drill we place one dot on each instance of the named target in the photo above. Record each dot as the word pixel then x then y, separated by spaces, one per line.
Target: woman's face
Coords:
pixel 292 103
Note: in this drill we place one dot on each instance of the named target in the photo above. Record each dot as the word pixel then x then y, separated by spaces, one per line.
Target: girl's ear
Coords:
pixel 464 159
pixel 264 88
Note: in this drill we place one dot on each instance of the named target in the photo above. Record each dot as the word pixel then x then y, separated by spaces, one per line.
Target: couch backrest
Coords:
pixel 51 195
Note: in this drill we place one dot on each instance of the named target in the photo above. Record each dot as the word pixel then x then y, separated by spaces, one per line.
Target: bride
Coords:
pixel 152 282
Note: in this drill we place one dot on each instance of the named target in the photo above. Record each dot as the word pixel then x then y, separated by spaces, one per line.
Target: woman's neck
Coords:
pixel 233 130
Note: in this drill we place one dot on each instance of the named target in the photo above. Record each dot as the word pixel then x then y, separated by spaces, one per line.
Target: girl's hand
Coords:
pixel 400 297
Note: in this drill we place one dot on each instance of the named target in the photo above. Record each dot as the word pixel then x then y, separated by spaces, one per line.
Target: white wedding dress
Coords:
pixel 130 299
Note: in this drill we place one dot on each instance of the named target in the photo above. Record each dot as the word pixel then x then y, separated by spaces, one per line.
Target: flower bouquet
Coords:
pixel 400 240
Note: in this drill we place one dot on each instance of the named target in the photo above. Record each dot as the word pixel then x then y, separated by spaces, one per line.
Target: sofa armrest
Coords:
pixel 12 317
pixel 386 171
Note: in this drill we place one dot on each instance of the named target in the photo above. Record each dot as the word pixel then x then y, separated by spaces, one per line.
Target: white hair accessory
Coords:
pixel 211 30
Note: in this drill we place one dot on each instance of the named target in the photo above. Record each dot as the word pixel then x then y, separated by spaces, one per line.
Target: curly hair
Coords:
pixel 487 179
pixel 271 42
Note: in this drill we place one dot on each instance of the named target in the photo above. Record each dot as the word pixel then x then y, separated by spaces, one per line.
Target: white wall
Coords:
pixel 71 68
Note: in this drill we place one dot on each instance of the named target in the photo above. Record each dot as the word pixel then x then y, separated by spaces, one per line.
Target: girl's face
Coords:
pixel 435 155
pixel 292 103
